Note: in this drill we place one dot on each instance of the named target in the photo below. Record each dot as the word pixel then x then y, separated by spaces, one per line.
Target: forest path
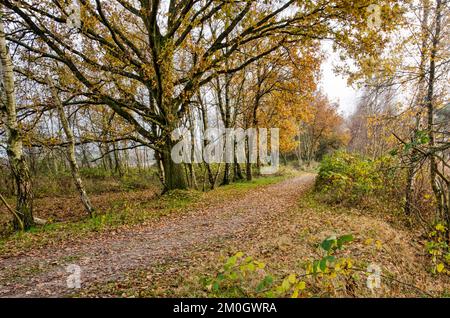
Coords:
pixel 140 247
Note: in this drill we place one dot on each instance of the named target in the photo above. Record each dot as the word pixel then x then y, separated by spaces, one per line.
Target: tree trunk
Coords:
pixel 24 207
pixel 86 162
pixel 226 174
pixel 255 125
pixel 248 167
pixel 117 161
pixel 192 176
pixel 174 174
pixel 430 105
pixel 204 115
pixel 412 168
pixel 409 189
pixel 71 150
pixel 237 171
pixel 138 159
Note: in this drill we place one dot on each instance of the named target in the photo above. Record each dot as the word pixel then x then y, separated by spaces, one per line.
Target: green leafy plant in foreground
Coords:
pixel 439 249
pixel 235 273
pixel 243 276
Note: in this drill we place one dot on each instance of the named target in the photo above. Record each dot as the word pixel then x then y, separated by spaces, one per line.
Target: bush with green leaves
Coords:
pixel 239 277
pixel 243 276
pixel 439 250
pixel 351 178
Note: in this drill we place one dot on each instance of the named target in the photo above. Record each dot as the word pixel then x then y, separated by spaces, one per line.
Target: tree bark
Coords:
pixel 24 206
pixel 174 174
pixel 248 166
pixel 117 161
pixel 430 104
pixel 204 115
pixel 237 171
pixel 192 176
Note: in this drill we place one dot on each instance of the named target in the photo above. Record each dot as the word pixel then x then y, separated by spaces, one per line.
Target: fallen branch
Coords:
pixel 13 211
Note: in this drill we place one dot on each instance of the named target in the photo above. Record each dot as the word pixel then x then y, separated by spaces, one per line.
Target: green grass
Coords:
pixel 127 213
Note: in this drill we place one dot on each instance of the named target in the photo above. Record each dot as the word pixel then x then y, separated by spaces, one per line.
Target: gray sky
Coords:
pixel 335 86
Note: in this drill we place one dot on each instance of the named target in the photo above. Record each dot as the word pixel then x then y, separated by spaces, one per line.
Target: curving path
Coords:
pixel 109 258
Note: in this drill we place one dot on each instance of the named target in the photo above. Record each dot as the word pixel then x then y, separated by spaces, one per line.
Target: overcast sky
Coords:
pixel 335 86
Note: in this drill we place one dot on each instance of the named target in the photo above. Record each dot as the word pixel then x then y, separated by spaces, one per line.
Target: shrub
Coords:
pixel 439 249
pixel 351 178
pixel 243 276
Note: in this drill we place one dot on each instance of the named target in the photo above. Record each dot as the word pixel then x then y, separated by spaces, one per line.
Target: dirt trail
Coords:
pixel 108 259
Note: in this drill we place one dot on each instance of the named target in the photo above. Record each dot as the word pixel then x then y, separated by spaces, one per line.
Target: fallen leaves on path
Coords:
pixel 111 257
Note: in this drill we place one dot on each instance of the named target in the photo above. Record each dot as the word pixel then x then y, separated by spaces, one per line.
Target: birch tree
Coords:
pixel 23 216
pixel 71 154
